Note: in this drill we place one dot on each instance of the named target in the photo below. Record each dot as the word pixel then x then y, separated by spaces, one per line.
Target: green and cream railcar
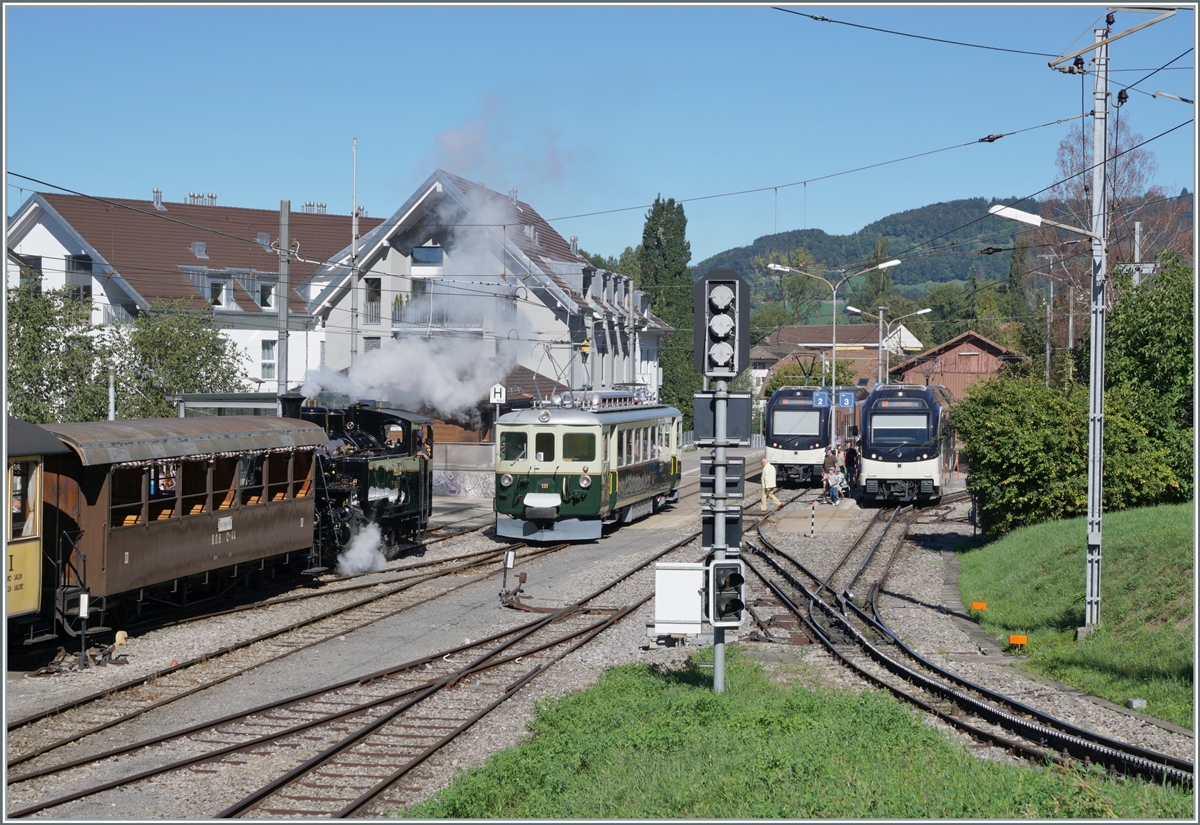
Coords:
pixel 564 471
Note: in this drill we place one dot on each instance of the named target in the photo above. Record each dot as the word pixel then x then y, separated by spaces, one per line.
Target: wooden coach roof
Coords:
pixel 146 439
pixel 30 439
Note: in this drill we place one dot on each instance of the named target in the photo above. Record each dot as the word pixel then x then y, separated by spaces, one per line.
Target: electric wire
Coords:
pixel 821 19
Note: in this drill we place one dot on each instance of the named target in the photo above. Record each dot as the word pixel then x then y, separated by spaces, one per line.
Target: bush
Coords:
pixel 1026 448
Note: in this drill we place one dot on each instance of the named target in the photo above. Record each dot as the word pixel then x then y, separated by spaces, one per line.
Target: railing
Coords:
pixel 371 312
pixel 422 311
pixel 114 314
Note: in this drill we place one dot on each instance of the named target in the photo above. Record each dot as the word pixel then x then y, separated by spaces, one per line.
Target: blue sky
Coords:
pixel 584 110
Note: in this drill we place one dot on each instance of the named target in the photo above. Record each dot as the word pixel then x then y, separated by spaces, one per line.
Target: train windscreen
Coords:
pixel 513 446
pixel 796 422
pixel 899 429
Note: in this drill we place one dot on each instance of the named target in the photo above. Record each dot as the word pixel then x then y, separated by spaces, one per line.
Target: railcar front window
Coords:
pixel 796 422
pixel 543 445
pixel 899 430
pixel 579 447
pixel 513 446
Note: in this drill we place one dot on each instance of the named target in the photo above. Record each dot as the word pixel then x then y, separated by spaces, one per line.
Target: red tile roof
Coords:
pixel 147 247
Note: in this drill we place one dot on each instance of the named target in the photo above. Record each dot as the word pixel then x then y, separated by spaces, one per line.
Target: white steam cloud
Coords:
pixel 364 554
pixel 441 362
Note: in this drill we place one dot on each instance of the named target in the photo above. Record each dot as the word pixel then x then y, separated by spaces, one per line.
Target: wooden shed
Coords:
pixel 955 364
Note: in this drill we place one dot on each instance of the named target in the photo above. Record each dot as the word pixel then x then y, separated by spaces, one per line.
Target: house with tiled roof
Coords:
pixel 126 254
pixel 462 262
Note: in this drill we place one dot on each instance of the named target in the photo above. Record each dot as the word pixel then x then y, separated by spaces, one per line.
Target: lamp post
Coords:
pixel 857 311
pixel 834 288
pixel 1096 378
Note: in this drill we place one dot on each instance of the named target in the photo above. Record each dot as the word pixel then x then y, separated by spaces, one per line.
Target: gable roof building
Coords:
pixel 460 261
pixel 955 364
pixel 126 254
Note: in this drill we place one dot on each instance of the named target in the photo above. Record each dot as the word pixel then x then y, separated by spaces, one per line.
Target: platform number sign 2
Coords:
pixel 821 399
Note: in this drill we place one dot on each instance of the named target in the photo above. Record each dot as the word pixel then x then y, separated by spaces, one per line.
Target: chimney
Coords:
pixel 574 244
pixel 512 195
pixel 212 199
pixel 158 204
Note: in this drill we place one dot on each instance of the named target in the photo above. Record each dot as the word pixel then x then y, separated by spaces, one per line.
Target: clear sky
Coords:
pixel 584 110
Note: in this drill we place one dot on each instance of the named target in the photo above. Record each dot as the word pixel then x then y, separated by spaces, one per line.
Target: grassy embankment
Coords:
pixel 651 744
pixel 1033 581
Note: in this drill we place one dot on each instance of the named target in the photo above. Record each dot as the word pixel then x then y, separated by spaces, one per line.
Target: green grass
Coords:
pixel 645 743
pixel 1033 581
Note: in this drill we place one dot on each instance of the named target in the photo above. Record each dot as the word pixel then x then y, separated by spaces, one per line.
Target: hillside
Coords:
pixel 961 228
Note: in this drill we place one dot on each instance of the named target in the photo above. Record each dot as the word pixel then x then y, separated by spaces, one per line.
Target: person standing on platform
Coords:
pixel 767 485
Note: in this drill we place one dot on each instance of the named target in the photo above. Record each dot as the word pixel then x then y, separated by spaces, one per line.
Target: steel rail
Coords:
pixel 1064 736
pixel 212 655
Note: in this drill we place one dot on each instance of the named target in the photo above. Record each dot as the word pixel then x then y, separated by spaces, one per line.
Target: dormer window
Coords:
pixel 427 255
pixel 219 294
pixel 266 295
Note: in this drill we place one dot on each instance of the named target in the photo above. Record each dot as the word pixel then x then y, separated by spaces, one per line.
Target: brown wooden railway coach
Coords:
pixel 142 502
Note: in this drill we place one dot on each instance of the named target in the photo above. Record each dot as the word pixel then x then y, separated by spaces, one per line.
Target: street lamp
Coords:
pixel 1096 378
pixel 856 311
pixel 834 288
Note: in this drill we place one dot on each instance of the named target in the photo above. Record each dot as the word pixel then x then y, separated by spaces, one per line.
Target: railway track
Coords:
pixel 41 734
pixel 852 630
pixel 405 722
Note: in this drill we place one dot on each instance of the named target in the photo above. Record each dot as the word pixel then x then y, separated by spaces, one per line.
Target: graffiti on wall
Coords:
pixel 464 483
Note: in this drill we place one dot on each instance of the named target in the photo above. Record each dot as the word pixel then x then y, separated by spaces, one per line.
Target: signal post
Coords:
pixel 722 352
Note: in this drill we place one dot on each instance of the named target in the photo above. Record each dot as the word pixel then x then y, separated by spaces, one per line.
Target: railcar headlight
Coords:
pixel 585 481
pixel 506 480
pixel 924 455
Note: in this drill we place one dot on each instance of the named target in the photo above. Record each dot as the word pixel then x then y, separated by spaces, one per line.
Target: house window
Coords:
pixel 31 269
pixel 374 287
pixel 268 359
pixel 79 277
pixel 370 343
pixel 266 295
pixel 428 255
pixel 322 353
pixel 218 293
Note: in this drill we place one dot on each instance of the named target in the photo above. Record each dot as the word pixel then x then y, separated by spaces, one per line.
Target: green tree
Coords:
pixel 949 303
pixel 876 287
pixel 57 364
pixel 663 272
pixel 171 348
pixel 1149 350
pixel 801 296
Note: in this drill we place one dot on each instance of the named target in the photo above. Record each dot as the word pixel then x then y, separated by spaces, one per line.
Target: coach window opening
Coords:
pixel 22 487
pixel 250 479
pixel 128 491
pixel 164 491
pixel 194 483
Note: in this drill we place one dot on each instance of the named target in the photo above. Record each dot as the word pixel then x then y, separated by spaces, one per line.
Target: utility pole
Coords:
pixel 1070 329
pixel 354 258
pixel 879 379
pixel 1099 279
pixel 1049 317
pixel 281 293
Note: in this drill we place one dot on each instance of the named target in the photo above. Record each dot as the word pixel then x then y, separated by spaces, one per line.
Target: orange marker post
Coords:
pixel 979 605
pixel 1016 641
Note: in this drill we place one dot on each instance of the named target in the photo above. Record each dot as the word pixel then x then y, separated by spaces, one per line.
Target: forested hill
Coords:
pixel 961 228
